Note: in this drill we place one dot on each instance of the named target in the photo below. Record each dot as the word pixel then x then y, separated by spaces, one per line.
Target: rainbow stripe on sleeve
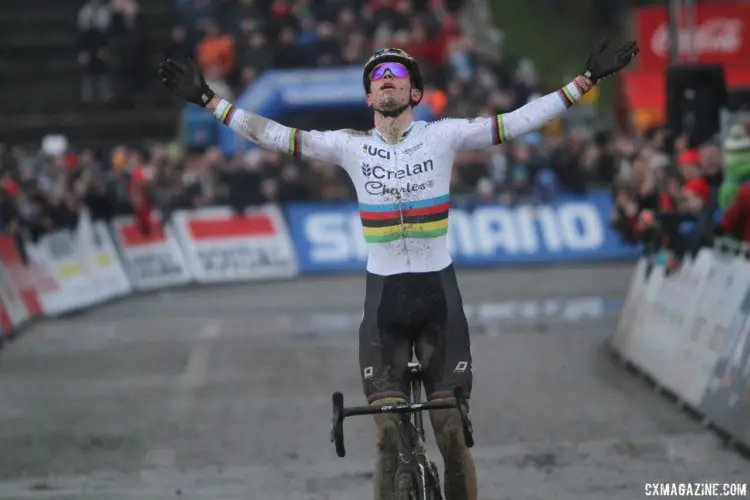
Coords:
pixel 498 129
pixel 226 116
pixel 409 219
pixel 295 142
pixel 566 96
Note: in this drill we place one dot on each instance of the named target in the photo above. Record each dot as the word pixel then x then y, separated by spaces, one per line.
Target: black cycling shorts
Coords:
pixel 420 313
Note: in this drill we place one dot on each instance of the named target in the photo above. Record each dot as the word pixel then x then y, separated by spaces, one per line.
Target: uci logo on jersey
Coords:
pixel 373 151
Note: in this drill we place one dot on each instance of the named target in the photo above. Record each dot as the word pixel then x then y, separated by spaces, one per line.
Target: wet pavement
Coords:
pixel 224 393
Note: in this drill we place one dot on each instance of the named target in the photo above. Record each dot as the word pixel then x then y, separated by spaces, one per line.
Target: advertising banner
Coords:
pixel 14 312
pixel 220 245
pixel 727 397
pixel 152 259
pixel 328 237
pixel 691 333
pixel 720 35
pixel 631 307
pixel 59 255
pixel 99 258
pixel 27 278
pixel 679 372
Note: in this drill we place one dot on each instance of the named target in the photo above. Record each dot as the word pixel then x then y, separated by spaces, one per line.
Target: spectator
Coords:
pixel 696 193
pixel 734 195
pixel 736 219
pixel 238 184
pixel 94 20
pixel 291 187
pixel 91 186
pixel 567 162
pixel 711 164
pixel 636 194
pixel 524 167
pixel 689 164
pixel 216 53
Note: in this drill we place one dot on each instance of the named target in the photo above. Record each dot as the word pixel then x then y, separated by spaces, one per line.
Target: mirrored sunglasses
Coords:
pixel 397 70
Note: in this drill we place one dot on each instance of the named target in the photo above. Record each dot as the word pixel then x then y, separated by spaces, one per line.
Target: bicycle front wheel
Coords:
pixel 406 487
pixel 433 483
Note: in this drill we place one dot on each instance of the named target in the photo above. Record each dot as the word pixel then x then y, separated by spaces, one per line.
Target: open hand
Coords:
pixel 601 63
pixel 185 80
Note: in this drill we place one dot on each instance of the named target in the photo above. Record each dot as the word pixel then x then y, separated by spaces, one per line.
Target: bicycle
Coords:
pixel 416 477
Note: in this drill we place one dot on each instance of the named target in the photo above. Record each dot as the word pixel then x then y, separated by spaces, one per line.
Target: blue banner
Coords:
pixel 328 237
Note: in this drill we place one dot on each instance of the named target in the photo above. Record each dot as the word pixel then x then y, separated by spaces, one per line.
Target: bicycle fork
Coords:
pixel 412 450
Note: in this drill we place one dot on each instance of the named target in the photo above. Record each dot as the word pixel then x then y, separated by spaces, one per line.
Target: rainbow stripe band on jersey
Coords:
pixel 567 96
pixel 227 113
pixel 410 219
pixel 295 142
pixel 498 129
pixel 574 90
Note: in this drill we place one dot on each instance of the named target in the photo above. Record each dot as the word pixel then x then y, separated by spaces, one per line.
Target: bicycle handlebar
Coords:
pixel 339 413
pixel 397 408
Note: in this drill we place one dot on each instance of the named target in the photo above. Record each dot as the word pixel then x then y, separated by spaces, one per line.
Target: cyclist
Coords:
pixel 401 170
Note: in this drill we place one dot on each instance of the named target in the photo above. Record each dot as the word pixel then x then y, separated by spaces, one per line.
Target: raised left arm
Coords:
pixel 484 132
pixel 477 133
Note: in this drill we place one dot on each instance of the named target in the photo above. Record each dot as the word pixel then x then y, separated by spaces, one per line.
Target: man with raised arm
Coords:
pixel 401 170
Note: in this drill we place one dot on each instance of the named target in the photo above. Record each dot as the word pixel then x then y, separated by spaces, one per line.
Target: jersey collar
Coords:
pixel 403 136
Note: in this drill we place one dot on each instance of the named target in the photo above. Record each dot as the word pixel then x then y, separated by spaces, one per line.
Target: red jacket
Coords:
pixel 736 220
pixel 138 191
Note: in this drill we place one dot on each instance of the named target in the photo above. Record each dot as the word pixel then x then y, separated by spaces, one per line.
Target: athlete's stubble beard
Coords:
pixel 392 111
pixel 391 108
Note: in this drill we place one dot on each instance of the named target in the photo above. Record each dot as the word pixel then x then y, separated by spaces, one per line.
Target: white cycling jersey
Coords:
pixel 403 189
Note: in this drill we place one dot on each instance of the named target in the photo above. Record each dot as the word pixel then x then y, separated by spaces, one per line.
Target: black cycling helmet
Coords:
pixel 399 56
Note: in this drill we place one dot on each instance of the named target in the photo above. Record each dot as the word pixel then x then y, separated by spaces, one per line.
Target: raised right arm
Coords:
pixel 324 146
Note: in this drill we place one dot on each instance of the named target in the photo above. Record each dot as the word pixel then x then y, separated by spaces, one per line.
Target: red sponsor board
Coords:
pixel 221 245
pixel 239 226
pixel 152 259
pixel 132 235
pixel 720 34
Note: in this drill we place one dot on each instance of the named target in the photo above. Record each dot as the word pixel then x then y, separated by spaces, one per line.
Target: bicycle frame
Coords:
pixel 412 452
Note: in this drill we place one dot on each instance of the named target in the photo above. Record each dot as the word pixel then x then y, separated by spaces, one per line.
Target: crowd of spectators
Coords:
pixel 656 190
pixel 680 202
pixel 234 41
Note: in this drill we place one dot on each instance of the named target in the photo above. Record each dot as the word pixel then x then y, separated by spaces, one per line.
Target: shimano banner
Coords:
pixel 328 237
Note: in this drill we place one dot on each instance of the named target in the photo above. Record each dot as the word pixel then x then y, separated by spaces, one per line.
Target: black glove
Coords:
pixel 601 65
pixel 185 80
